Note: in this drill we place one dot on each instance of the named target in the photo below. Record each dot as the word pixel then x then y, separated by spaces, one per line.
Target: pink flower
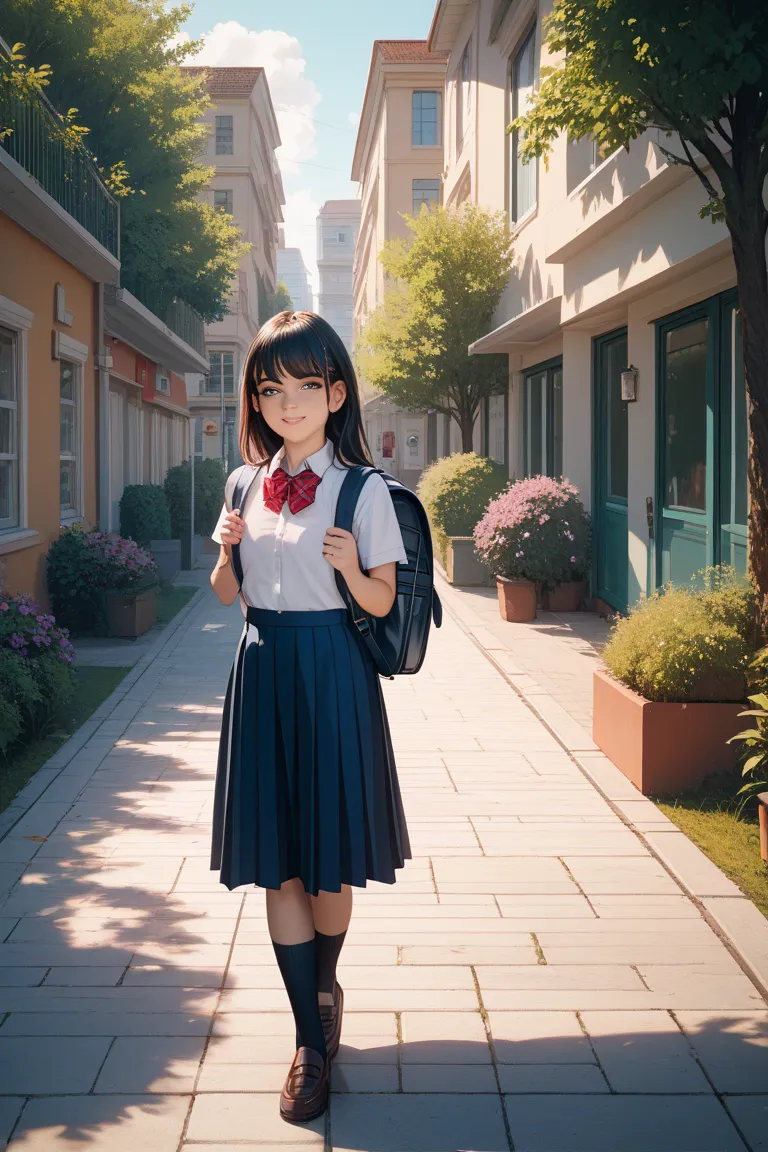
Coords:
pixel 573 559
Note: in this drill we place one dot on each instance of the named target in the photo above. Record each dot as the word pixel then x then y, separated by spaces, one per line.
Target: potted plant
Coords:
pixel 676 669
pixel 535 535
pixel 131 592
pixel 144 517
pixel 455 492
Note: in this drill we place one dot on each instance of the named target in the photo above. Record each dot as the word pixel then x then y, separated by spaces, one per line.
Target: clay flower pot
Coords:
pixel 662 748
pixel 565 597
pixel 517 600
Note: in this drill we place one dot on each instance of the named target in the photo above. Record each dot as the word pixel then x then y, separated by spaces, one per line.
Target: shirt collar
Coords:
pixel 319 461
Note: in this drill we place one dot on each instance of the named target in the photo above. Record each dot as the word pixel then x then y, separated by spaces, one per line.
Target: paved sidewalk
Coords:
pixel 537 981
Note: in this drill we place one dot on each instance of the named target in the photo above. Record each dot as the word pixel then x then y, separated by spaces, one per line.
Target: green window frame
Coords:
pixel 543 418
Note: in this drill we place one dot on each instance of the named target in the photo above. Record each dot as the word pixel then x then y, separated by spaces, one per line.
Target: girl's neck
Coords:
pixel 296 454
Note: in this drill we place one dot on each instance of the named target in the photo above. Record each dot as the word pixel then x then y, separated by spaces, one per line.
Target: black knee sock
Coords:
pixel 298 967
pixel 328 949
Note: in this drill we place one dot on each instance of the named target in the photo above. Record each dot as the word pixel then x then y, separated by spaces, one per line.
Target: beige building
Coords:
pixel 398 164
pixel 620 318
pixel 338 226
pixel 247 184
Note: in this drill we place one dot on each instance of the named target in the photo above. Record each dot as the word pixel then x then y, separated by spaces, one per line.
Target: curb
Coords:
pixel 38 785
pixel 733 917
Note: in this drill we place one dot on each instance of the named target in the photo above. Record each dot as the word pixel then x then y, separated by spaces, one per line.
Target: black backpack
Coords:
pixel 398 641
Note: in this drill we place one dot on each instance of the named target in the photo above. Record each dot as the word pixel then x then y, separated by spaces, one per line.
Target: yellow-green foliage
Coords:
pixel 455 492
pixel 684 643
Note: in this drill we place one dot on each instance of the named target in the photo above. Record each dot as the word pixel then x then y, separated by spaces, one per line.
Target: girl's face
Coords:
pixel 298 410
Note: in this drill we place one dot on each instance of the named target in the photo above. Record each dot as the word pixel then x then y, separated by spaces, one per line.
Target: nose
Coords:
pixel 289 401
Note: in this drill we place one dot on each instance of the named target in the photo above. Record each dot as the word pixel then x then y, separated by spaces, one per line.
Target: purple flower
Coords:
pixel 4 606
pixel 23 610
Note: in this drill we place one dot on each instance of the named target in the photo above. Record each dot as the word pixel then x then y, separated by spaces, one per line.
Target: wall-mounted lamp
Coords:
pixel 629 379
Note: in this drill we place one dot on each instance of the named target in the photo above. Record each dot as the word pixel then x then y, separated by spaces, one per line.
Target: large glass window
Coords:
pixel 69 439
pixel 223 199
pixel 9 430
pixel 425 192
pixel 522 176
pixel 685 417
pixel 425 119
pixel 543 420
pixel 222 372
pixel 225 136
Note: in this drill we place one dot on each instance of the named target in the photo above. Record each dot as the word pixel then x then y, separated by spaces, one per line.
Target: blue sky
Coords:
pixel 317 54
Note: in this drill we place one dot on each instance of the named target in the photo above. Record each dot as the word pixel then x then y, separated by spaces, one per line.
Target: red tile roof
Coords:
pixel 409 52
pixel 229 81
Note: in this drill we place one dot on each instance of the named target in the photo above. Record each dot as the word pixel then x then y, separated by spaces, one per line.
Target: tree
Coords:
pixel 280 300
pixel 697 70
pixel 110 60
pixel 444 284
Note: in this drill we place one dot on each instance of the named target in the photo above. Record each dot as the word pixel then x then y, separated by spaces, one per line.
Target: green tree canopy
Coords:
pixel 109 61
pixel 280 300
pixel 444 284
pixel 698 71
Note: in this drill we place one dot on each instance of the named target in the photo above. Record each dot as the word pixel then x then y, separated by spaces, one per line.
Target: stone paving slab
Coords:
pixel 536 975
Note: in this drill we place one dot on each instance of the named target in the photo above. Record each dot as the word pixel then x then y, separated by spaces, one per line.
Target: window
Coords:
pixel 425 119
pixel 522 176
pixel 463 95
pixel 222 199
pixel 70 448
pixel 222 372
pixel 496 420
pixel 163 381
pixel 9 430
pixel 425 192
pixel 225 136
pixel 543 419
pixel 685 416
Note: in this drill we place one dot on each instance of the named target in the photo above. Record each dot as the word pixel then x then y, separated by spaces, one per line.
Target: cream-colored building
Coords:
pixel 398 164
pixel 338 225
pixel 620 318
pixel 247 184
pixel 294 273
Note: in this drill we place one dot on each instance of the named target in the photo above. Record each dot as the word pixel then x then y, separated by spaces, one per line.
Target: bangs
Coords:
pixel 294 349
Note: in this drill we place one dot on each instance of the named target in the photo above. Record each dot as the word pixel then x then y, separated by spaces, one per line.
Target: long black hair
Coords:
pixel 301 344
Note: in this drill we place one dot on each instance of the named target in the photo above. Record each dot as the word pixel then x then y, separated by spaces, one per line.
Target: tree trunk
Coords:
pixel 746 223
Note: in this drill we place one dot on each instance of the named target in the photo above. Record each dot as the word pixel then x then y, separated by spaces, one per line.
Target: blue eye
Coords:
pixel 311 384
pixel 268 392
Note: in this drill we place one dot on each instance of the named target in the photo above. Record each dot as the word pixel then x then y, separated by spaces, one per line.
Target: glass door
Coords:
pixel 543 419
pixel 610 470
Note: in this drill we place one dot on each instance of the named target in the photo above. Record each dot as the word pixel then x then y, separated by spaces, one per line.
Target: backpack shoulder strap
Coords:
pixel 235 497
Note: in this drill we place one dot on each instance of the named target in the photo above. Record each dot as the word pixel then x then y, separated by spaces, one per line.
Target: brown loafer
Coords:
pixel 331 1015
pixel 305 1092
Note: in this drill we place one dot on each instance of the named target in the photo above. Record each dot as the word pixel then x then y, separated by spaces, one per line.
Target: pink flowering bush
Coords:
pixel 82 566
pixel 536 530
pixel 36 675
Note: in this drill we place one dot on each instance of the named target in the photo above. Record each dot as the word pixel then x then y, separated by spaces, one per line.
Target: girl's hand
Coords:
pixel 233 528
pixel 340 550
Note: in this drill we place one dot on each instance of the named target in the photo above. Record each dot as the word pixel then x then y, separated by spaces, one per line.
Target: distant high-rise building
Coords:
pixel 338 225
pixel 293 272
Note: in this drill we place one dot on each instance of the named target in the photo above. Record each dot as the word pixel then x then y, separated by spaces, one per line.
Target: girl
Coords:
pixel 307 801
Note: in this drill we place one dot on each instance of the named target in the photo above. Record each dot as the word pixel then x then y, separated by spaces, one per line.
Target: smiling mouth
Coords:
pixel 292 419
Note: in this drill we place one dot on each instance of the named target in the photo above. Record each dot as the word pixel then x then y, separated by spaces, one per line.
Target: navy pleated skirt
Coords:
pixel 306 784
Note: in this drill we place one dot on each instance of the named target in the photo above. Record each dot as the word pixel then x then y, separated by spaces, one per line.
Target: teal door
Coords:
pixel 610 471
pixel 701 441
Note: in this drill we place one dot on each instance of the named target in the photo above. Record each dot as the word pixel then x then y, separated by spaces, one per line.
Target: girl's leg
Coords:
pixel 331 914
pixel 292 929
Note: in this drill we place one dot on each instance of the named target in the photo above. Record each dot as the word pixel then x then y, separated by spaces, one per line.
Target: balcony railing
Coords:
pixel 176 314
pixel 63 168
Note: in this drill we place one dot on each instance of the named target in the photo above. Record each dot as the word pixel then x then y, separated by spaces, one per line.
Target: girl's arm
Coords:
pixel 223 579
pixel 375 593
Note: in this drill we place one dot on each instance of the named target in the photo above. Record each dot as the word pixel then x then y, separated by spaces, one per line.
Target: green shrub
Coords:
pixel 81 566
pixel 537 530
pixel 36 675
pixel 144 514
pixel 687 644
pixel 455 492
pixel 754 752
pixel 210 479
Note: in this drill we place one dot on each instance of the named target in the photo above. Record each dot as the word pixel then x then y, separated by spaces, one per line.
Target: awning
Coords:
pixel 129 320
pixel 527 328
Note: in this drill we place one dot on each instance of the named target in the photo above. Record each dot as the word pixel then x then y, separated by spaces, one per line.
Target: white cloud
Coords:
pixel 300 229
pixel 295 97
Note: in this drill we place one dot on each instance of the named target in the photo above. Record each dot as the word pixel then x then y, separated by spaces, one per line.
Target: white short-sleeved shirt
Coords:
pixel 284 569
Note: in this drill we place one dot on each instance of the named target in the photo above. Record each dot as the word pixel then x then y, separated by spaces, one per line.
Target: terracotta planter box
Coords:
pixel 662 748
pixel 462 564
pixel 131 616
pixel 517 600
pixel 565 597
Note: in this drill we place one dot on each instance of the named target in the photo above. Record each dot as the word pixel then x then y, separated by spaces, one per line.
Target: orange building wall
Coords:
pixel 28 274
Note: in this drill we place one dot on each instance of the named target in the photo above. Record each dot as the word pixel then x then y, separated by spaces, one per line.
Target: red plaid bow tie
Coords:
pixel 298 490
